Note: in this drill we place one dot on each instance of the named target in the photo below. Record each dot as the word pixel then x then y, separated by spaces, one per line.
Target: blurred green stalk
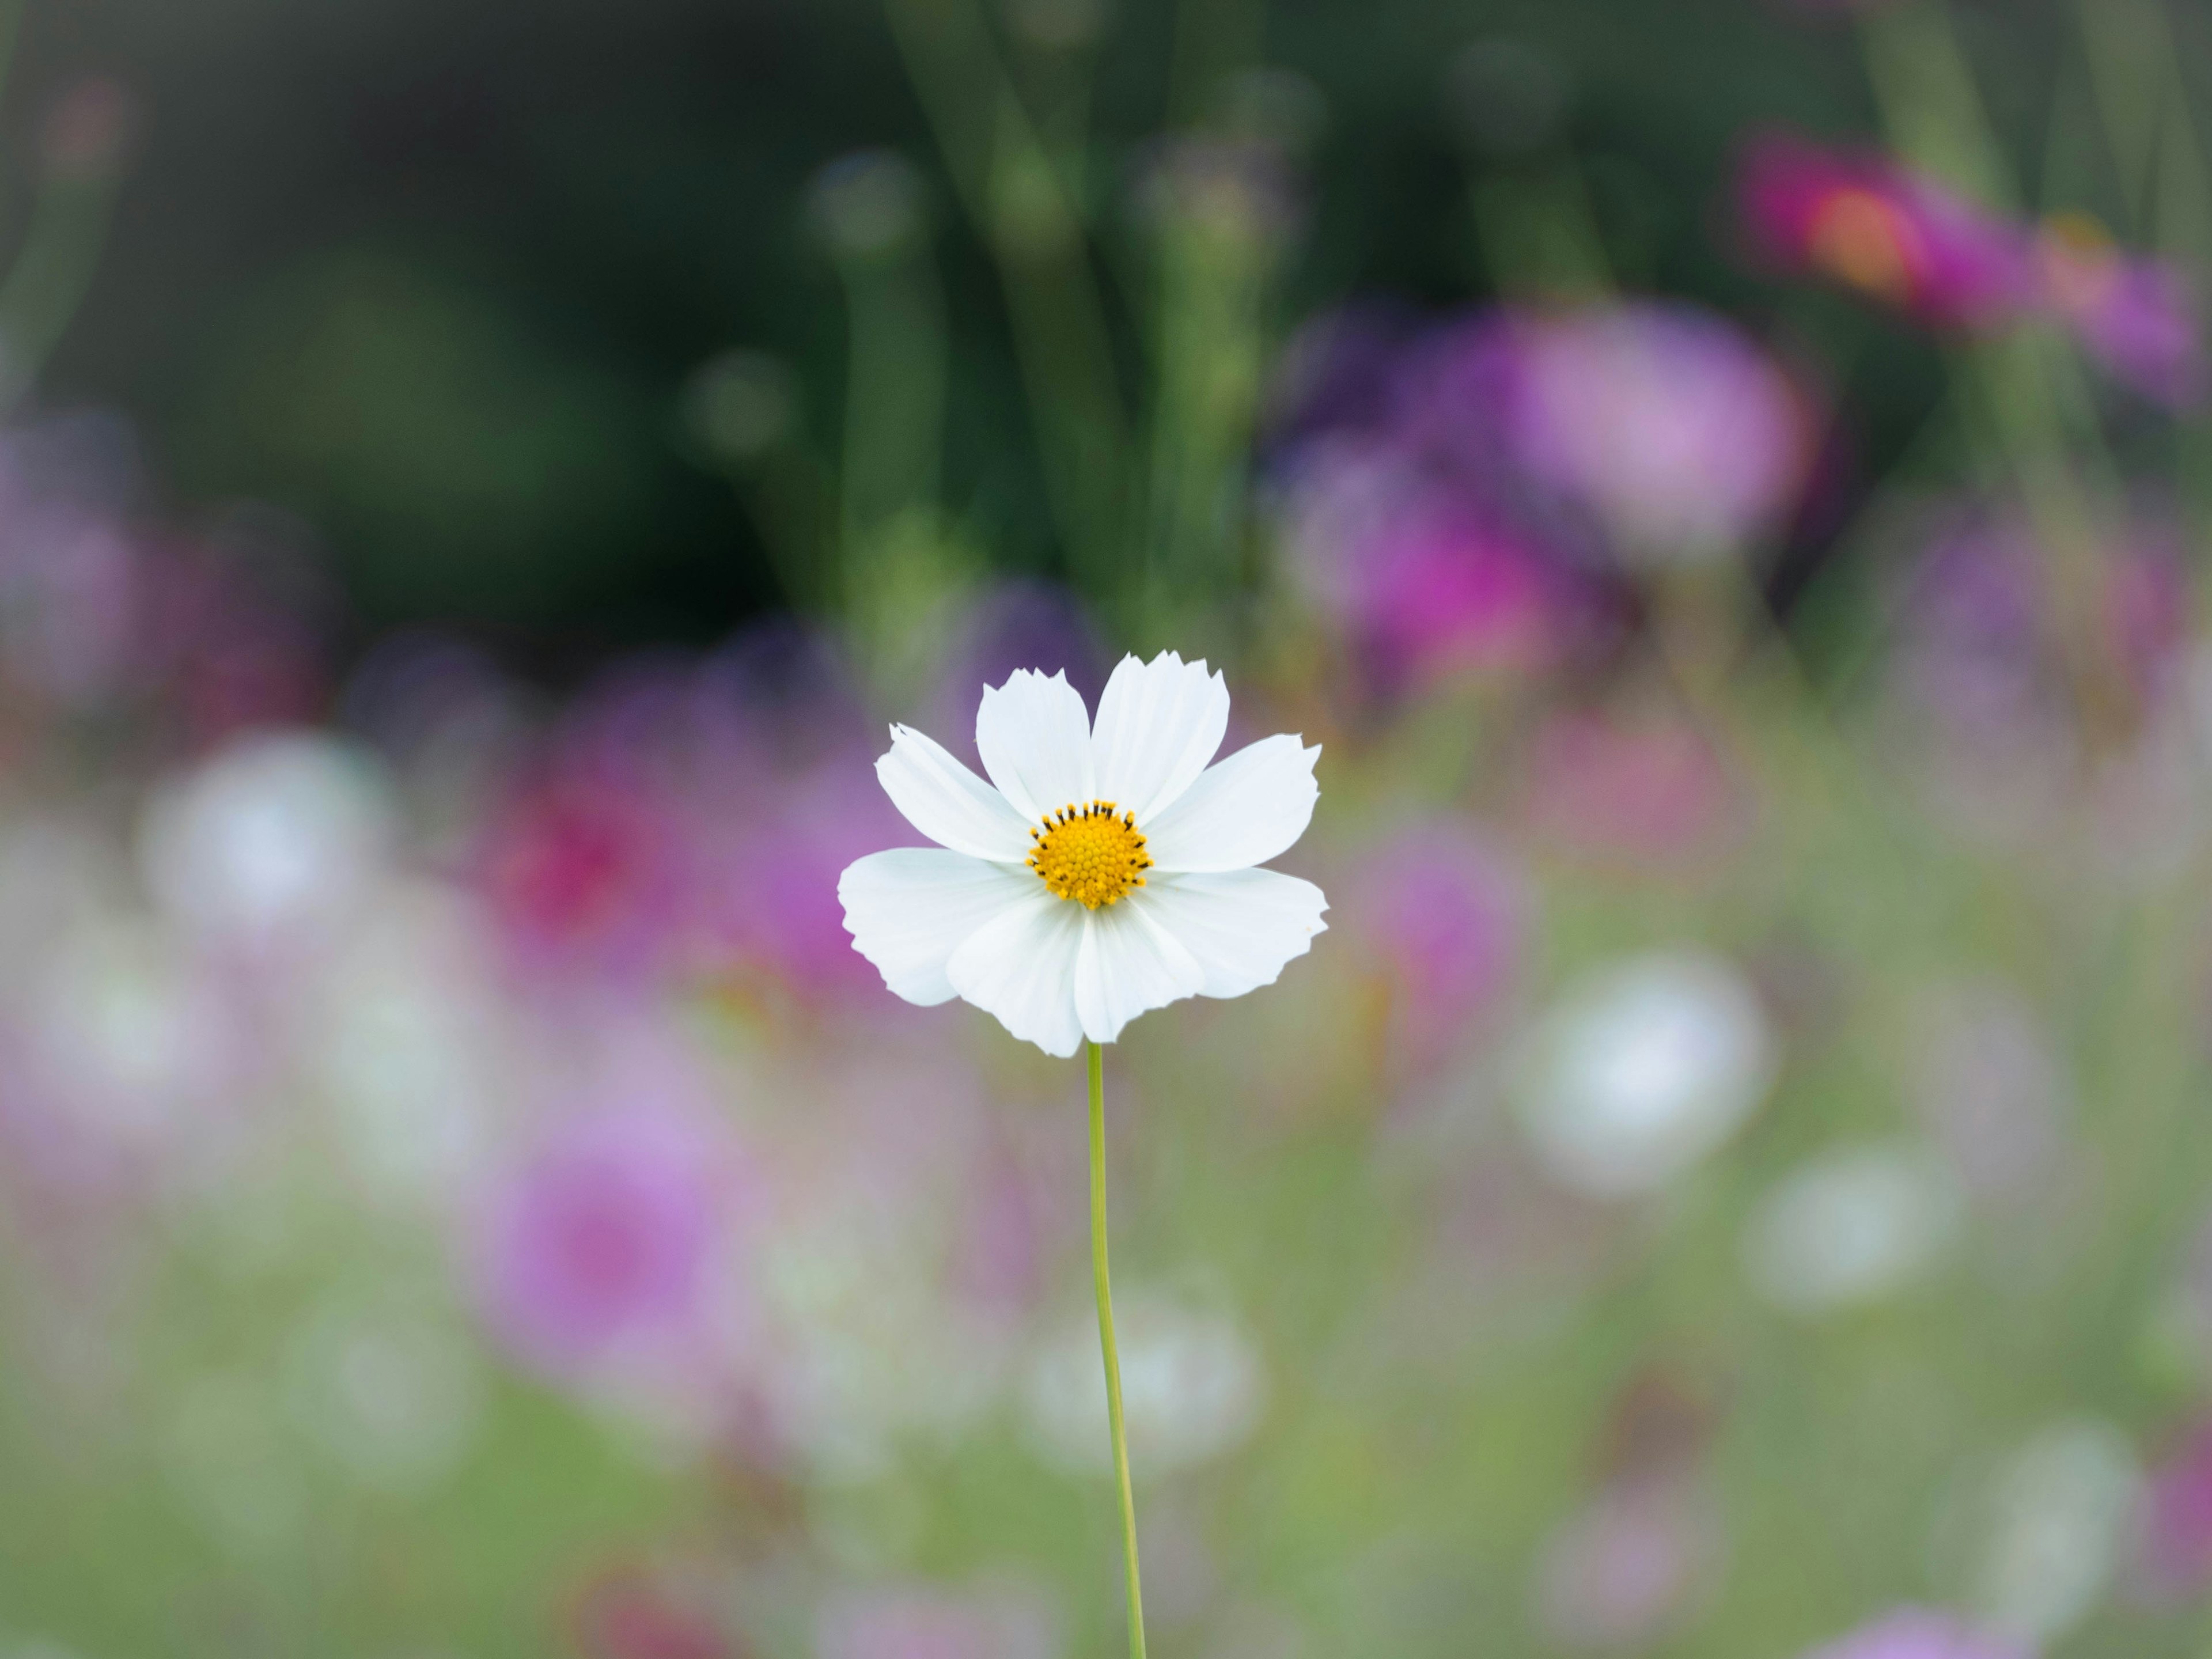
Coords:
pixel 1026 214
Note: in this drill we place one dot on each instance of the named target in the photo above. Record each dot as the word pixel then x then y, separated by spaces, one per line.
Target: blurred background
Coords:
pixel 1726 481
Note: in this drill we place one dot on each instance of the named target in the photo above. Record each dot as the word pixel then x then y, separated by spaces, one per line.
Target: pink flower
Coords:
pixel 934 1624
pixel 1896 236
pixel 1917 1633
pixel 2175 1559
pixel 583 868
pixel 629 1614
pixel 1441 915
pixel 1977 621
pixel 600 1242
pixel 772 909
pixel 1426 582
pixel 2136 317
pixel 1666 421
pixel 1646 789
pixel 1620 1572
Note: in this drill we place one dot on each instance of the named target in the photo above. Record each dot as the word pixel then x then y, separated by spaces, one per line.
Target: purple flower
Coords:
pixel 1667 421
pixel 1460 498
pixel 1441 915
pixel 585 867
pixel 1917 1633
pixel 1976 623
pixel 934 1624
pixel 2175 1559
pixel 1647 789
pixel 1426 582
pixel 1625 1568
pixel 600 1242
pixel 1861 220
pixel 2136 317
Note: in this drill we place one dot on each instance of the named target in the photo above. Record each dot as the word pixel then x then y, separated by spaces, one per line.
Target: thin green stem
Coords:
pixel 1106 1346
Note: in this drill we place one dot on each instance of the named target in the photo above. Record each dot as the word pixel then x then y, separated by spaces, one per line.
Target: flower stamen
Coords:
pixel 1089 855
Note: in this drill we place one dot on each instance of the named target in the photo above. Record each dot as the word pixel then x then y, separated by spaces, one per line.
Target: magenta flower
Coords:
pixel 1861 220
pixel 2176 1546
pixel 1667 421
pixel 1428 585
pixel 1642 790
pixel 1975 647
pixel 1918 1633
pixel 600 1243
pixel 1441 915
pixel 935 1624
pixel 1407 519
pixel 629 1613
pixel 585 868
pixel 2135 316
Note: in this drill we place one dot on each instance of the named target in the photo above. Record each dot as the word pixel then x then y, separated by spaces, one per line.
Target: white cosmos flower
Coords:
pixel 1110 871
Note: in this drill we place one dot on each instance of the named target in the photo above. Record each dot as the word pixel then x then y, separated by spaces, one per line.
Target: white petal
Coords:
pixel 1020 967
pixel 1159 723
pixel 948 803
pixel 909 909
pixel 1128 965
pixel 1246 810
pixel 1241 926
pixel 1034 735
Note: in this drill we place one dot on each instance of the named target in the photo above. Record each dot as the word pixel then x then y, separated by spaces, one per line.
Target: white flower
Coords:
pixel 1851 1225
pixel 1110 872
pixel 1644 1067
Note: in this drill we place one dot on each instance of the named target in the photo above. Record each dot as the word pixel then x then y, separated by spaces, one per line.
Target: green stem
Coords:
pixel 1106 1346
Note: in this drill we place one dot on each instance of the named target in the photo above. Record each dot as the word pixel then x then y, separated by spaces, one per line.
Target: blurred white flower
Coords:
pixel 2062 1504
pixel 406 1043
pixel 1851 1225
pixel 394 1395
pixel 126 1038
pixel 271 840
pixel 872 1344
pixel 1192 1388
pixel 1642 1068
pixel 1991 1088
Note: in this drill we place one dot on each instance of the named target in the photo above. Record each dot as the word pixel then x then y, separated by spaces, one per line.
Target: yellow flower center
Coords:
pixel 1864 240
pixel 1088 855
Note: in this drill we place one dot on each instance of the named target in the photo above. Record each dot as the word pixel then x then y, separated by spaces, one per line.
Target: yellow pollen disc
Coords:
pixel 1857 236
pixel 1088 855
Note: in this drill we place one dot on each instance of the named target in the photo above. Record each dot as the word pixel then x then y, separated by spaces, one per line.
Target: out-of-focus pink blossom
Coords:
pixel 1460 497
pixel 600 1242
pixel 1442 914
pixel 629 1614
pixel 1407 521
pixel 935 1624
pixel 585 868
pixel 1978 622
pixel 1665 420
pixel 1860 220
pixel 1427 585
pixel 2137 317
pixel 1625 1568
pixel 2176 1536
pixel 1918 1633
pixel 1648 789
